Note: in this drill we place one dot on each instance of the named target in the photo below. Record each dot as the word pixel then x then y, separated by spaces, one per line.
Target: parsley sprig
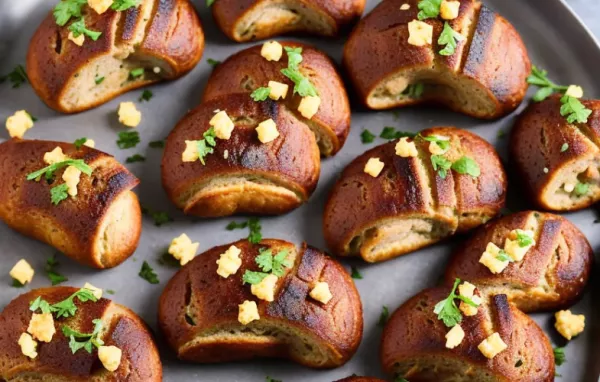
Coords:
pixel 123 5
pixel 79 28
pixel 559 355
pixel 302 85
pixel 447 310
pixel 64 308
pixel 429 9
pixel 128 139
pixel 49 171
pixel 464 165
pixel 253 224
pixel 261 94
pixel 524 239
pixel 17 77
pixel 59 193
pixel 86 341
pixel 148 274
pixel 573 110
pixel 206 146
pixel 52 272
pixel 268 264
pixel 539 77
pixel 449 38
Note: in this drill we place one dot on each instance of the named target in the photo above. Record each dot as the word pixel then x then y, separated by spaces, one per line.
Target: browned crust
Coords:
pixel 174 36
pixel 140 359
pixel 358 200
pixel 536 144
pixel 493 55
pixel 291 161
pixel 73 226
pixel 553 273
pixel 339 14
pixel 247 70
pixel 414 338
pixel 211 303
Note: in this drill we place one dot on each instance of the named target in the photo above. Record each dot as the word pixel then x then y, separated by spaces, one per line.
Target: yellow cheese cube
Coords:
pixel 129 115
pixel 568 324
pixel 374 167
pixel 110 356
pixel 18 123
pixel 449 9
pixel 512 247
pixel 265 290
pixel 79 40
pixel 22 272
pixel 406 149
pixel 278 90
pixel 574 91
pixel 454 337
pixel 490 260
pixel 71 177
pixel 405 7
pixel 28 345
pixel 229 262
pixel 271 50
pixel 321 292
pixel 248 312
pixel 420 33
pixel 222 124
pixel 97 292
pixel 100 6
pixel 89 143
pixel 41 326
pixel 467 289
pixel 183 249
pixel 309 106
pixel 55 156
pixel 267 131
pixel 569 187
pixel 190 154
pixel 491 346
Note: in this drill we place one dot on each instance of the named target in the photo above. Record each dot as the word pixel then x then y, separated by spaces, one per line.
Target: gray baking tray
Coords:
pixel 556 40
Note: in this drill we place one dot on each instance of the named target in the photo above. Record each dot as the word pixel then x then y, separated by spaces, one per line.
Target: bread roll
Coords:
pixel 246 20
pixel 485 77
pixel 360 379
pixel 198 310
pixel 409 205
pixel 557 161
pixel 140 361
pixel 100 227
pixel 247 70
pixel 162 36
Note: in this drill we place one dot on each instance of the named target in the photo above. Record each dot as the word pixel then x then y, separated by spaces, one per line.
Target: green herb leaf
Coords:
pixel 447 310
pixel 581 189
pixel 205 146
pixel 466 165
pixel 49 171
pixel 128 139
pixel 355 273
pixel 539 77
pixel 40 304
pixel 442 142
pixel 367 137
pixel 135 158
pixel 501 134
pixel 261 94
pixel 157 144
pixel 503 256
pixel 78 28
pixel 59 193
pixel 441 165
pixel 148 274
pixel 137 72
pixel 574 110
pixel 66 307
pixel 390 133
pixel 235 225
pixel 123 5
pixel 110 291
pixel 159 218
pixel 559 356
pixel 210 2
pixel 264 260
pixel 17 77
pixel 302 85
pixel 414 90
pixel 294 56
pixel 255 235
pixel 146 95
pixel 564 147
pixel 450 38
pixel 86 341
pixel 384 316
pixel 167 260
pixel 210 61
pixel 251 277
pixel 98 80
pixel 280 262
pixel 429 9
pixel 17 284
pixel 79 142
pixel 523 238
pixel 52 273
pixel 65 9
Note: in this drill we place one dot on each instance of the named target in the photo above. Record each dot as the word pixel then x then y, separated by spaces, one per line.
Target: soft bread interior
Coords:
pixel 585 170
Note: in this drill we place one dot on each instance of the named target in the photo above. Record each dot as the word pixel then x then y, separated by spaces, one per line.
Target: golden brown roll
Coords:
pixel 164 37
pixel 246 20
pixel 409 205
pixel 557 161
pixel 242 175
pixel 247 70
pixel 414 343
pixel 484 77
pixel 199 309
pixel 360 379
pixel 55 361
pixel 552 274
pixel 99 227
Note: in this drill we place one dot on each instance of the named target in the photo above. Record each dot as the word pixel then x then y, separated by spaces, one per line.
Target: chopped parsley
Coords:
pixel 355 274
pixel 429 9
pixel 581 189
pixel 441 165
pixel 539 78
pixel 302 85
pixel 65 9
pixel 78 28
pixel 261 94
pixel 211 61
pixel 52 273
pixel 564 147
pixel 501 134
pixel 64 308
pixel 468 166
pixel 135 158
pixel 148 274
pixel 157 144
pixel 17 284
pixel 128 139
pixel 59 193
pixel 79 142
pixel 206 146
pixel 253 224
pixel 110 291
pixel 268 264
pixel 503 256
pixel 384 316
pixel 209 3
pixel 98 80
pixel 137 72
pixel 146 95
pixel 49 171
pixel 449 38
pixel 524 239
pixel 235 225
pixel 367 137
pixel 414 90
pixel 390 133
pixel 86 341
pixel 447 310
pixel 573 110
pixel 17 77
pixel 559 355
pixel 159 218
pixel 442 142
pixel 167 260
pixel 123 5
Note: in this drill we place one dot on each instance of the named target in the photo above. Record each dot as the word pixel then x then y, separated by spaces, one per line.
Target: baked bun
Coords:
pixel 99 227
pixel 360 379
pixel 198 310
pixel 242 175
pixel 409 205
pixel 56 362
pixel 485 77
pixel 163 36
pixel 246 20
pixel 557 161
pixel 552 274
pixel 247 70
pixel 414 344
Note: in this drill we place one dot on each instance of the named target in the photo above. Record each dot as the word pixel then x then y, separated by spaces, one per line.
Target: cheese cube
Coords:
pixel 190 154
pixel 28 345
pixel 79 40
pixel 18 123
pixel 129 115
pixel 420 33
pixel 278 90
pixel 489 259
pixel 71 177
pixel 222 124
pixel 406 149
pixel 267 131
pixel 183 249
pixel 435 149
pixel 454 337
pixel 248 312
pixel 449 9
pixel 309 106
pixel 97 292
pixel 491 346
pixel 467 289
pixel 22 272
pixel 100 6
pixel 55 156
pixel 90 143
pixel 568 324
pixel 574 91
pixel 110 356
pixel 41 326
pixel 229 262
pixel 512 247
pixel 374 167
pixel 405 7
pixel 265 290
pixel 271 50
pixel 321 292
pixel 569 187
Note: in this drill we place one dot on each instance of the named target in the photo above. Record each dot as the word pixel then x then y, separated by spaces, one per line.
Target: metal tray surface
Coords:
pixel 556 40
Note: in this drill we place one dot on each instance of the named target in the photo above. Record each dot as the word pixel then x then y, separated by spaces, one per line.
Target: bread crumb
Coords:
pixel 156 69
pixel 225 154
pixel 405 7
